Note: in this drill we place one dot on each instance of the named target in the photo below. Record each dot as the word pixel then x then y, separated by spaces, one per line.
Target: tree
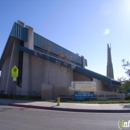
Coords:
pixel 125 84
pixel 126 66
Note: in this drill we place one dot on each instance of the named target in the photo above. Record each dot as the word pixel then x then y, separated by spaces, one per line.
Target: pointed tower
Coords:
pixel 109 63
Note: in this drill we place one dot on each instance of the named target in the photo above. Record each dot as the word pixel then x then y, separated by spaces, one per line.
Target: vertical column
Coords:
pixel 20 23
pixel 30 43
pixel 25 74
pixel 83 61
pixel 26 64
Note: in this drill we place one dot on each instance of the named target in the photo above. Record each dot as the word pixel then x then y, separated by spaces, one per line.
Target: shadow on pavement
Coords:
pixel 5 109
pixel 10 101
pixel 126 106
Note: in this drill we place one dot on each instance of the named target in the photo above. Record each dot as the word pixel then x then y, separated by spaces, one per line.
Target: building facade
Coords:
pixel 43 64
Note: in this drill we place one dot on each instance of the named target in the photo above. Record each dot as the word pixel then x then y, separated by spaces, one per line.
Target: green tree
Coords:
pixel 126 66
pixel 125 84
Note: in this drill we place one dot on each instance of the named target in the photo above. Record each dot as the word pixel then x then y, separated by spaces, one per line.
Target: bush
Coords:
pixel 20 97
pixel 127 98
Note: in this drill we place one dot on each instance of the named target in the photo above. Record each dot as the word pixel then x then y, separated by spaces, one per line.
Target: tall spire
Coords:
pixel 109 63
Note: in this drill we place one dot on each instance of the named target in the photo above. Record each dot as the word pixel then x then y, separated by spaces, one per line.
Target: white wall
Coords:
pixel 14 62
pixel 41 72
pixel 98 84
pixel 4 72
pixel 6 80
pixel 101 86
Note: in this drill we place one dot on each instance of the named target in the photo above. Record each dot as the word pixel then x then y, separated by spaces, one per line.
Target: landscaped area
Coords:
pixel 38 98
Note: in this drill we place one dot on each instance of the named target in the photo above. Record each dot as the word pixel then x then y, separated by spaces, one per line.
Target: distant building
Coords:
pixel 43 64
pixel 109 63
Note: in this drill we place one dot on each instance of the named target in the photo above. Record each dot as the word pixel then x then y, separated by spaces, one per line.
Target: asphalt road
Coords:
pixel 16 118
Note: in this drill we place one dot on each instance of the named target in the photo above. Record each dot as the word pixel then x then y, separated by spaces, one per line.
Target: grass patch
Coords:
pixel 38 98
pixel 127 98
pixel 20 97
pixel 93 101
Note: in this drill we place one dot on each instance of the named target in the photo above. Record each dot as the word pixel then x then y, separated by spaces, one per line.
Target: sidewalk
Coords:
pixel 76 107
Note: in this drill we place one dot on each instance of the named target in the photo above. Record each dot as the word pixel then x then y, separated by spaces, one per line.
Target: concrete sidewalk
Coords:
pixel 76 107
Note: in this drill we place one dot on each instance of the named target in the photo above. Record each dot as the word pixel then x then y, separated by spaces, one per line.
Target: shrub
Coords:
pixel 127 98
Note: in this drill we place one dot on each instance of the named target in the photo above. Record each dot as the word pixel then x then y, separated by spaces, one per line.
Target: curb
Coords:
pixel 90 110
pixel 31 106
pixel 71 109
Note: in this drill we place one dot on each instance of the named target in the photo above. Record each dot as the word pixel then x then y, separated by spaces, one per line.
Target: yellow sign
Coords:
pixel 14 71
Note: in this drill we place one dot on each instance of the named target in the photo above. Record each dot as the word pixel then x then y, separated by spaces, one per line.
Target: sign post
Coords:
pixel 14 74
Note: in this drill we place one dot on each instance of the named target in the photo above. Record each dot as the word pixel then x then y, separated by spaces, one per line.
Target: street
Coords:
pixel 17 118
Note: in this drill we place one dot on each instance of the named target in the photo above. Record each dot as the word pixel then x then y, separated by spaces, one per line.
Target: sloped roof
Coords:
pixel 17 32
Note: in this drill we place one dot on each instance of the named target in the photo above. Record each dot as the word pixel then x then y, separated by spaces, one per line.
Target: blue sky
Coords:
pixel 82 26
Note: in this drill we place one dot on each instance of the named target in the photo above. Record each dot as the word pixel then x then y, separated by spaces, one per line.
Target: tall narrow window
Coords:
pixel 20 66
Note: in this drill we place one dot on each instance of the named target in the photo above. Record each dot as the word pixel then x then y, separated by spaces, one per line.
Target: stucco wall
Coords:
pixel 104 95
pixel 14 62
pixel 80 77
pixel 105 87
pixel 4 72
pixel 43 72
pixel 101 86
pixel 7 82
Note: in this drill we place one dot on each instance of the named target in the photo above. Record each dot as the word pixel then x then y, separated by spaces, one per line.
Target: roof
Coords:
pixel 21 33
pixel 17 32
pixel 41 42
